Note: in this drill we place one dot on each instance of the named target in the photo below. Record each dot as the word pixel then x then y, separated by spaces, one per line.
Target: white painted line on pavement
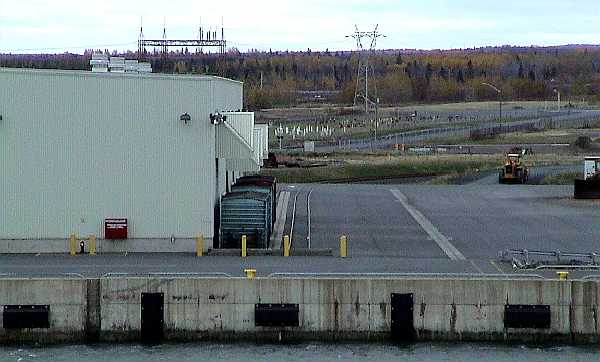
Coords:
pixel 429 228
pixel 308 212
pixel 476 267
pixel 293 219
pixel 282 206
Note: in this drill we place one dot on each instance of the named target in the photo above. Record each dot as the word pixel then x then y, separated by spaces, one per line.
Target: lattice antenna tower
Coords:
pixel 223 47
pixel 141 39
pixel 200 36
pixel 365 69
pixel 164 37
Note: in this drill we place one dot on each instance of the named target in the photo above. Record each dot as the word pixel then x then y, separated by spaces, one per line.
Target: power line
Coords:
pixel 364 67
pixel 208 39
pixel 67 47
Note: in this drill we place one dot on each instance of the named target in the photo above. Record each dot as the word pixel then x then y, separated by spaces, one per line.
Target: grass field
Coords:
pixel 565 178
pixel 300 113
pixel 308 123
pixel 359 167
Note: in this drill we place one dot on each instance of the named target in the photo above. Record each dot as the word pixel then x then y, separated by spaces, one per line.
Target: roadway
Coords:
pixel 478 220
pixel 450 225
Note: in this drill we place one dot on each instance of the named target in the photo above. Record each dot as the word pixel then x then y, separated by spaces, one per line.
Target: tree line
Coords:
pixel 398 77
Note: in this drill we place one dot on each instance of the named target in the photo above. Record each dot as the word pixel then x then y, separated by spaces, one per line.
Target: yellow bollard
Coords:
pixel 73 244
pixel 200 245
pixel 244 250
pixel 343 246
pixel 286 245
pixel 250 273
pixel 92 244
pixel 563 275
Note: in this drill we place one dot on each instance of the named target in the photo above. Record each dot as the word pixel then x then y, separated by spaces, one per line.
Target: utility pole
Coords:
pixel 376 117
pixel 499 96
pixel 200 37
pixel 164 38
pixel 364 66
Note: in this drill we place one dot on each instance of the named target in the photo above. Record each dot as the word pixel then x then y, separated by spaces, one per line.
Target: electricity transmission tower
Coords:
pixel 364 66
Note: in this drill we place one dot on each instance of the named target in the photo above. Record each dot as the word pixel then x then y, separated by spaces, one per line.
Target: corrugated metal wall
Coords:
pixel 258 145
pixel 243 123
pixel 76 147
pixel 231 139
pixel 265 141
pixel 241 166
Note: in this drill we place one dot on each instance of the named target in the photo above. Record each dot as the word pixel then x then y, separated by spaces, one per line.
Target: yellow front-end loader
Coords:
pixel 514 171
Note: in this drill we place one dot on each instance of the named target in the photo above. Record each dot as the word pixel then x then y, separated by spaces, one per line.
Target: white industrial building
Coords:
pixel 77 148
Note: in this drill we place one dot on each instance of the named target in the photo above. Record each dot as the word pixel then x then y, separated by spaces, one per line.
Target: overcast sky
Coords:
pixel 73 25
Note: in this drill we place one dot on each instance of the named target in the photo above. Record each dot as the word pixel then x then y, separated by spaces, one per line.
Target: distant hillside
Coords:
pixel 402 76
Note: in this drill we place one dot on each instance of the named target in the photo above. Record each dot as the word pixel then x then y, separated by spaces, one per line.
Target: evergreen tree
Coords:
pixel 521 73
pixel 399 59
pixel 460 78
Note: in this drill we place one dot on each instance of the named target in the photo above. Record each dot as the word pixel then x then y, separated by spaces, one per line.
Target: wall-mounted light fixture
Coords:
pixel 185 118
pixel 217 118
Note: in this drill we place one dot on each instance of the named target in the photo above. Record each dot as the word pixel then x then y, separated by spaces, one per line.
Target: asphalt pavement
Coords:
pixel 478 220
pixel 392 228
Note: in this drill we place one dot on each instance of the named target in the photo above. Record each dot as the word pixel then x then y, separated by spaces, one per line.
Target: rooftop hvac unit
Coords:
pixel 131 65
pixel 99 62
pixel 99 69
pixel 117 64
pixel 103 62
pixel 144 68
pixel 99 56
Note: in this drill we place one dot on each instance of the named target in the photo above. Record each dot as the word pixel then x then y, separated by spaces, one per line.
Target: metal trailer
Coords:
pixel 258 180
pixel 245 213
pixel 264 189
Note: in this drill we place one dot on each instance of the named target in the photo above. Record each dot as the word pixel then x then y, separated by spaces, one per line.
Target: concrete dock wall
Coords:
pixel 67 299
pixel 329 309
